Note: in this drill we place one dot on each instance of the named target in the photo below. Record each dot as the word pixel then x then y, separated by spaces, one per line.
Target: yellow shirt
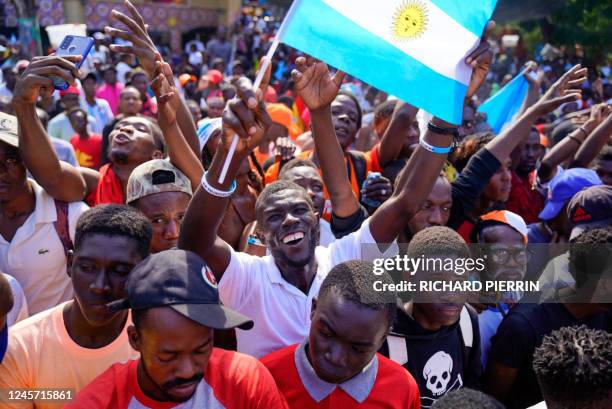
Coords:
pixel 41 354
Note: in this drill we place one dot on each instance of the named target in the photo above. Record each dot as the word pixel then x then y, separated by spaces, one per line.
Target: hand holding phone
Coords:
pixel 72 45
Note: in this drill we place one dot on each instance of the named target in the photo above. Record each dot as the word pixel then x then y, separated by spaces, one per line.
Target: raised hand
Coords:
pixel 168 100
pixel 535 83
pixel 480 61
pixel 566 89
pixel 246 116
pixel 314 83
pixel 36 78
pixel 142 46
pixel 284 148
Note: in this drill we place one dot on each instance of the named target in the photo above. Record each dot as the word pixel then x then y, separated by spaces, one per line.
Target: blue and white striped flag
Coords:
pixel 413 49
pixel 502 107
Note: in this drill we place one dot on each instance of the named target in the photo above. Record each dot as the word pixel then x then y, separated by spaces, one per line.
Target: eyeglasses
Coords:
pixel 502 256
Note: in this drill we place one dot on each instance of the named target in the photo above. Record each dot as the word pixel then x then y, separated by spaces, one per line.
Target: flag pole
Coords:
pixel 260 74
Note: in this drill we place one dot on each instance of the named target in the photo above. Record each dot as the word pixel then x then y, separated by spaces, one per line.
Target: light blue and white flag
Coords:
pixel 413 49
pixel 502 107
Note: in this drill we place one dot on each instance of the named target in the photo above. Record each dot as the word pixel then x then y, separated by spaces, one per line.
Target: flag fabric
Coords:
pixel 413 49
pixel 502 107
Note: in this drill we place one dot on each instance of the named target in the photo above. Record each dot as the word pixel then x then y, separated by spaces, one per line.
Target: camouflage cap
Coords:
pixel 9 133
pixel 156 176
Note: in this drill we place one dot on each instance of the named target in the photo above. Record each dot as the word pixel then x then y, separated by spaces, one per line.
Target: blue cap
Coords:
pixel 3 341
pixel 563 188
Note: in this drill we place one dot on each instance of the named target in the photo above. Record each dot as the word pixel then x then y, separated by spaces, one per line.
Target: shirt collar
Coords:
pixel 358 387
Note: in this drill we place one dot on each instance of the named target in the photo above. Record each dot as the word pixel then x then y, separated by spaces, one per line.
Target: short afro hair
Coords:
pixel 438 241
pixel 354 281
pixel 573 367
pixel 466 398
pixel 115 220
pixel 296 163
pixel 469 146
pixel 274 188
pixel 589 255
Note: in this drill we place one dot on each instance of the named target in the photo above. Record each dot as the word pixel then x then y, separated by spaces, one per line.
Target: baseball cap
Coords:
pixel 181 280
pixel 214 76
pixel 9 130
pixel 590 208
pixel 99 36
pixel 70 90
pixel 563 188
pixel 156 176
pixel 282 115
pixel 508 218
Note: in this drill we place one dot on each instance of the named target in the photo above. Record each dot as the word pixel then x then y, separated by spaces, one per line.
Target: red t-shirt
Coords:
pixel 393 388
pixel 88 151
pixel 524 199
pixel 231 380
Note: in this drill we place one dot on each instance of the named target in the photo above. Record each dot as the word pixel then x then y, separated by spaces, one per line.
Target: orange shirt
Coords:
pixel 231 380
pixel 370 164
pixel 391 386
pixel 41 354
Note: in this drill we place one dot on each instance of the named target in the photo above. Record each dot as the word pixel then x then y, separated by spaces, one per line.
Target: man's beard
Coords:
pixel 312 245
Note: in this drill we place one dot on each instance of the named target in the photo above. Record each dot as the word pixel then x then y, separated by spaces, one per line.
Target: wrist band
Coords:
pixel 216 192
pixel 573 138
pixel 442 131
pixel 586 134
pixel 434 149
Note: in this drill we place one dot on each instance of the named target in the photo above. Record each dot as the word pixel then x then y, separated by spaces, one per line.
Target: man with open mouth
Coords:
pixel 277 290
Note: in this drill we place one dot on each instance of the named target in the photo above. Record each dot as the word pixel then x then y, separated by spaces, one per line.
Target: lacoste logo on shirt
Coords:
pixel 43 251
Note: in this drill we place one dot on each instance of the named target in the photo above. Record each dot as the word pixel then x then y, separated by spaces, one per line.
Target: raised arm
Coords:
pixel 318 88
pixel 569 146
pixel 180 153
pixel 397 132
pixel 59 179
pixel 598 137
pixel 416 180
pixel 566 89
pixel 144 49
pixel 246 117
pixel 533 92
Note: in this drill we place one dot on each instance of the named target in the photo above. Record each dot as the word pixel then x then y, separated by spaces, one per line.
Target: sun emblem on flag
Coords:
pixel 410 20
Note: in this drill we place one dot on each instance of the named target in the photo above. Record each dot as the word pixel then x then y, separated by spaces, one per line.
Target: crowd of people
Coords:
pixel 144 263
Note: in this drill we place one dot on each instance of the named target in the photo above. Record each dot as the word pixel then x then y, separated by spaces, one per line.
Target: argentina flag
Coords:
pixel 413 49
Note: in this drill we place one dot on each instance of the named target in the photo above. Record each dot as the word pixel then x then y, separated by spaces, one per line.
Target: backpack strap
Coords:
pixel 61 226
pixel 359 164
pixel 466 327
pixel 398 350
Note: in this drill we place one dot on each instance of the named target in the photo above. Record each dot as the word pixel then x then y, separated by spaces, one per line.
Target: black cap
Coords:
pixel 590 208
pixel 181 280
pixel 89 75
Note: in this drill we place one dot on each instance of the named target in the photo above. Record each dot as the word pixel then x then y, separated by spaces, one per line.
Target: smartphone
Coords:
pixel 72 45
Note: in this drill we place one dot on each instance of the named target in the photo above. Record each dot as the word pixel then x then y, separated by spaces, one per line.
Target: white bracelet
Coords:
pixel 216 192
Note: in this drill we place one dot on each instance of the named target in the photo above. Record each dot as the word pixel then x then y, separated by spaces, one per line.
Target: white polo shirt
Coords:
pixel 35 256
pixel 254 287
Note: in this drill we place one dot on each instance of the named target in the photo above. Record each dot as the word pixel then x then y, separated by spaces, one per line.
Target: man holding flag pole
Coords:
pixel 286 215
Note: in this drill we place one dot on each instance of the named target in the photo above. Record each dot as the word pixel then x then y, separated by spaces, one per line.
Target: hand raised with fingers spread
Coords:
pixel 167 96
pixel 314 83
pixel 566 89
pixel 246 116
pixel 142 46
pixel 37 77
pixel 480 61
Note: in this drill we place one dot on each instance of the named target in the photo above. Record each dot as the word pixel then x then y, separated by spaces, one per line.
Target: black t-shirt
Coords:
pixel 438 360
pixel 470 184
pixel 521 332
pixel 343 226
